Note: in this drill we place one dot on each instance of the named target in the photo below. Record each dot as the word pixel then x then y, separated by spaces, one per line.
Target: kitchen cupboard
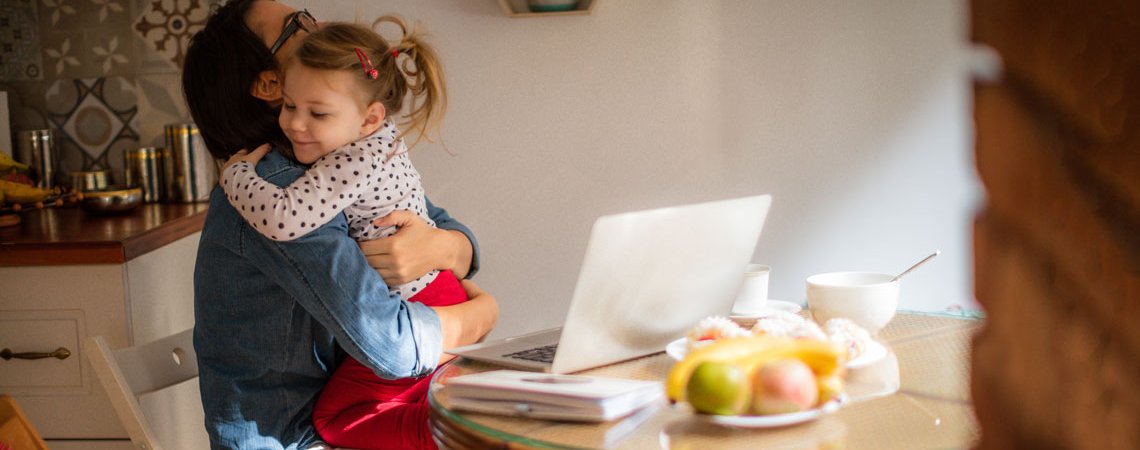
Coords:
pixel 142 292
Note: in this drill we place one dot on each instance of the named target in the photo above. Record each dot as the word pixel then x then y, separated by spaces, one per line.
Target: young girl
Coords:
pixel 340 88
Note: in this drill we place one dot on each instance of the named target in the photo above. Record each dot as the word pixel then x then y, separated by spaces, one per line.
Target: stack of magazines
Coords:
pixel 546 396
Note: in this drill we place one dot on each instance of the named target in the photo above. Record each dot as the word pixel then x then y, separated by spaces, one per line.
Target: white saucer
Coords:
pixel 677 349
pixel 770 307
pixel 874 352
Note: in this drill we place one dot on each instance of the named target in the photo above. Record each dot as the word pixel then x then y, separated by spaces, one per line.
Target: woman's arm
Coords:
pixel 325 273
pixel 467 255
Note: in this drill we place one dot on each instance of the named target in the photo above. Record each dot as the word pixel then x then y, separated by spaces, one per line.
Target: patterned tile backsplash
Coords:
pixel 102 74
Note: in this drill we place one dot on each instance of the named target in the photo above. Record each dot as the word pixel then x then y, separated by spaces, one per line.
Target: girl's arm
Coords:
pixel 285 213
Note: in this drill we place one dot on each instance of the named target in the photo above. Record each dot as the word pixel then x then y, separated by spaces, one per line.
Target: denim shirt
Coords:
pixel 269 317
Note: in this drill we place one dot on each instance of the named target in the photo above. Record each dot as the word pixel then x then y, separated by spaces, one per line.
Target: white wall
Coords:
pixel 853 114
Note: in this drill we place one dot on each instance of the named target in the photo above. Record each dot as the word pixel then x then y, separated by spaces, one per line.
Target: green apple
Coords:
pixel 718 388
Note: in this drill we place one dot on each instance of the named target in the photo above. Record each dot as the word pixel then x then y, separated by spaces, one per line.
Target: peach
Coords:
pixel 783 386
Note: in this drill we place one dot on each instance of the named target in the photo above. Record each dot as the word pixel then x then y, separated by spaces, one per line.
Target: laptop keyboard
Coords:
pixel 540 354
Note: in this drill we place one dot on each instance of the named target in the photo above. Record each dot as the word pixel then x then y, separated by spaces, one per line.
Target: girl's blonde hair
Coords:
pixel 334 46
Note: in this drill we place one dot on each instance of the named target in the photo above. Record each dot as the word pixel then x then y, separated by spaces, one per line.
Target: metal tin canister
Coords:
pixel 35 148
pixel 91 180
pixel 144 169
pixel 189 169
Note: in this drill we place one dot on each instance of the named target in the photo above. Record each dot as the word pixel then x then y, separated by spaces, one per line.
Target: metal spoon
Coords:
pixel 915 266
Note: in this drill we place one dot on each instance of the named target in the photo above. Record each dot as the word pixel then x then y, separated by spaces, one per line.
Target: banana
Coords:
pixel 824 357
pixel 22 193
pixel 7 163
pixel 751 352
pixel 830 386
pixel 724 350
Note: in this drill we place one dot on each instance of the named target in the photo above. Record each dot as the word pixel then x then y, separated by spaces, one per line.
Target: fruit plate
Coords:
pixel 874 352
pixel 775 420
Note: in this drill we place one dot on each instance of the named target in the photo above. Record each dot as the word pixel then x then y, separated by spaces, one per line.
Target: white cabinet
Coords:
pixel 44 308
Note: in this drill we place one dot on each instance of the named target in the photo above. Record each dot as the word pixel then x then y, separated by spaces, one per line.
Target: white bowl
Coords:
pixel 869 299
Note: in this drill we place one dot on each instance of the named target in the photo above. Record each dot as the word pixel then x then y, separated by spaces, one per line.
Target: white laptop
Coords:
pixel 647 278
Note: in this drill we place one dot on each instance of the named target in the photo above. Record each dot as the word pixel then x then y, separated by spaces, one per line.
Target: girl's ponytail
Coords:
pixel 423 79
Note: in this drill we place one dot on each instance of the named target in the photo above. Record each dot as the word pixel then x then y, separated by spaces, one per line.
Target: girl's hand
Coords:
pixel 245 155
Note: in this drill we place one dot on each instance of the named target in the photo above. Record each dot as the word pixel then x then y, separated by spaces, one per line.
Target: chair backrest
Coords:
pixel 130 372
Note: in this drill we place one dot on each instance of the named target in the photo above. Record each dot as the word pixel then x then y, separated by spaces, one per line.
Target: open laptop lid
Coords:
pixel 649 276
pixel 646 279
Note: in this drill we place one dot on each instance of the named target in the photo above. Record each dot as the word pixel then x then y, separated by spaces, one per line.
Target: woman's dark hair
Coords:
pixel 222 63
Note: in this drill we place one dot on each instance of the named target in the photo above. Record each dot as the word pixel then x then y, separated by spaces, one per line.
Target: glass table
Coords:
pixel 917 396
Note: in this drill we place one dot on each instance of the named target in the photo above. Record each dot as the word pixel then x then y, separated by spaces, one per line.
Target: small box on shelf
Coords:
pixel 541 8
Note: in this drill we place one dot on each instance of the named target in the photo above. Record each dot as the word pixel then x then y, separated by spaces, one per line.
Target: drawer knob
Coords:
pixel 60 353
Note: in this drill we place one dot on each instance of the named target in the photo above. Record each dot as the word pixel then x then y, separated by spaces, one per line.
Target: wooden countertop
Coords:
pixel 67 235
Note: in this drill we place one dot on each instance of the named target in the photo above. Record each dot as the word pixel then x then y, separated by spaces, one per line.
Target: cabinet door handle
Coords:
pixel 60 353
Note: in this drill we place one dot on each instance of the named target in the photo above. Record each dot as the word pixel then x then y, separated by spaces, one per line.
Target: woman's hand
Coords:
pixel 245 155
pixel 416 249
pixel 468 322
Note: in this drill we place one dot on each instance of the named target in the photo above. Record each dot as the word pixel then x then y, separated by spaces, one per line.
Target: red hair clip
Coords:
pixel 395 52
pixel 366 65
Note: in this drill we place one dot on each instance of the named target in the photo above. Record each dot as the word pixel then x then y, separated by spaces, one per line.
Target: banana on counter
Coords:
pixel 23 193
pixel 7 164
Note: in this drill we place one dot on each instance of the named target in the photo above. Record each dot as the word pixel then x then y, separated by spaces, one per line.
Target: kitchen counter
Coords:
pixel 68 235
pixel 68 275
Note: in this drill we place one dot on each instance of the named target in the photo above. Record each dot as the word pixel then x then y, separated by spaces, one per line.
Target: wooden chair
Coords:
pixel 130 372
pixel 16 431
pixel 133 371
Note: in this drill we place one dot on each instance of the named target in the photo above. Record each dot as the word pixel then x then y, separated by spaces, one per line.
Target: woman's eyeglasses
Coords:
pixel 298 20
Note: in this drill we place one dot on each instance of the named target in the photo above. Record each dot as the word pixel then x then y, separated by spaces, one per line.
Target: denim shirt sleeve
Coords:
pixel 444 221
pixel 327 274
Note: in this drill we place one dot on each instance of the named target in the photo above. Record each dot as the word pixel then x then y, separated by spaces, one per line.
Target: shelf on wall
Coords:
pixel 518 8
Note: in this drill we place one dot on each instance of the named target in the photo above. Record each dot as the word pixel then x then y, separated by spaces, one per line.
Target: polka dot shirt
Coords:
pixel 366 179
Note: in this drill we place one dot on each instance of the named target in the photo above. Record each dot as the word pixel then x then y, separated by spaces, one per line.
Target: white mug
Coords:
pixel 753 294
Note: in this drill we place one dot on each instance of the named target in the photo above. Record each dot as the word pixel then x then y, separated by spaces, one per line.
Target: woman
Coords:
pixel 272 317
